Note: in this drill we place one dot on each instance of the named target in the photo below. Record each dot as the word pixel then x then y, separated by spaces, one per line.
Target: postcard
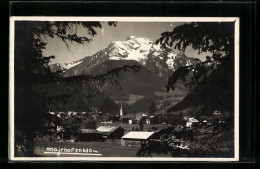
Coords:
pixel 124 89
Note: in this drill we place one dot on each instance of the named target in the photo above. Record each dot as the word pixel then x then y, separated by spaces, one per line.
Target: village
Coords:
pixel 137 134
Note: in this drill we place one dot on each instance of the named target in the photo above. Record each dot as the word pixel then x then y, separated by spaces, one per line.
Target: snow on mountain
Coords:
pixel 159 60
pixel 72 64
pixel 133 48
pixel 64 66
pixel 137 48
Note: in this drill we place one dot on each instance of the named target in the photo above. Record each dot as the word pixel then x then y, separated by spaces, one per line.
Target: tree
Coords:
pixel 177 120
pixel 89 124
pixel 216 37
pixel 32 71
pixel 152 108
pixel 209 78
pixel 141 124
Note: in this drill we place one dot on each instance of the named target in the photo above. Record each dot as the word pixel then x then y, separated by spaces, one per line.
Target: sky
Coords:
pixel 108 34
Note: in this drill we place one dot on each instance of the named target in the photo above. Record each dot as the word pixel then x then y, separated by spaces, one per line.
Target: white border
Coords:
pixel 121 19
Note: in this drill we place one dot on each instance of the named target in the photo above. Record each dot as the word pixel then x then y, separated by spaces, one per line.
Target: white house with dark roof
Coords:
pixel 133 137
pixel 191 121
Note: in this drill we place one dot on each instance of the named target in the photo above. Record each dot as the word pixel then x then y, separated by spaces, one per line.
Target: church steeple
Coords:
pixel 121 113
pixel 121 109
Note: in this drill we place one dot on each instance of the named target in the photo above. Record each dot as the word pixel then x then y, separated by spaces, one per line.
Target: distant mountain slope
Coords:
pixel 80 98
pixel 143 105
pixel 217 93
pixel 64 66
pixel 162 100
pixel 140 83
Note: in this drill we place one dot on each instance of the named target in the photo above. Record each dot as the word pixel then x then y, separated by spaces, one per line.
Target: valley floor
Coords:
pixel 106 149
pixel 129 127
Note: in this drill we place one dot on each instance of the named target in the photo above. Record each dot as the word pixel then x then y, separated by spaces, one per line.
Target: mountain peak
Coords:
pixel 137 38
pixel 133 48
pixel 159 60
pixel 131 37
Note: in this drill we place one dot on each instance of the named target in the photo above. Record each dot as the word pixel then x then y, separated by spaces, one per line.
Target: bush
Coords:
pixel 89 124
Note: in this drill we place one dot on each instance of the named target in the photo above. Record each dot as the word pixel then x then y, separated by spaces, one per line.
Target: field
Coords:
pixel 109 148
pixel 106 149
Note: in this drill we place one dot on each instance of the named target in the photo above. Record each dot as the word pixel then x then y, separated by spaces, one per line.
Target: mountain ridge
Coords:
pixel 157 64
pixel 161 61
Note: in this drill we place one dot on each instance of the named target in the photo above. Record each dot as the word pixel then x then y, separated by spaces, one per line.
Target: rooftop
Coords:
pixel 88 131
pixel 107 129
pixel 130 116
pixel 138 135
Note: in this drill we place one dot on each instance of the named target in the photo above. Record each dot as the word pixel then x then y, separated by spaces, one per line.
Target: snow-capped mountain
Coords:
pixel 157 64
pixel 159 60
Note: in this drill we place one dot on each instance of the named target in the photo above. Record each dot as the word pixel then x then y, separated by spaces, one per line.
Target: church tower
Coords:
pixel 121 110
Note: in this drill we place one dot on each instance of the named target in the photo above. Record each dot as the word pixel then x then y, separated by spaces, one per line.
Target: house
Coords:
pixel 52 113
pixel 192 122
pixel 221 121
pixel 82 113
pixel 90 135
pixel 186 118
pixel 111 132
pixel 216 112
pixel 135 137
pixel 67 134
pixel 154 120
pixel 206 120
pixel 72 113
pixel 151 119
pixel 105 116
pixel 95 115
pixel 73 122
pixel 148 121
pixel 126 118
pixel 61 115
pixel 132 121
pixel 60 129
pixel 142 116
pixel 107 122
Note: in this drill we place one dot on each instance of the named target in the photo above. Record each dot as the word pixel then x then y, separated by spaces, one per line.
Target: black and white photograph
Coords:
pixel 124 89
